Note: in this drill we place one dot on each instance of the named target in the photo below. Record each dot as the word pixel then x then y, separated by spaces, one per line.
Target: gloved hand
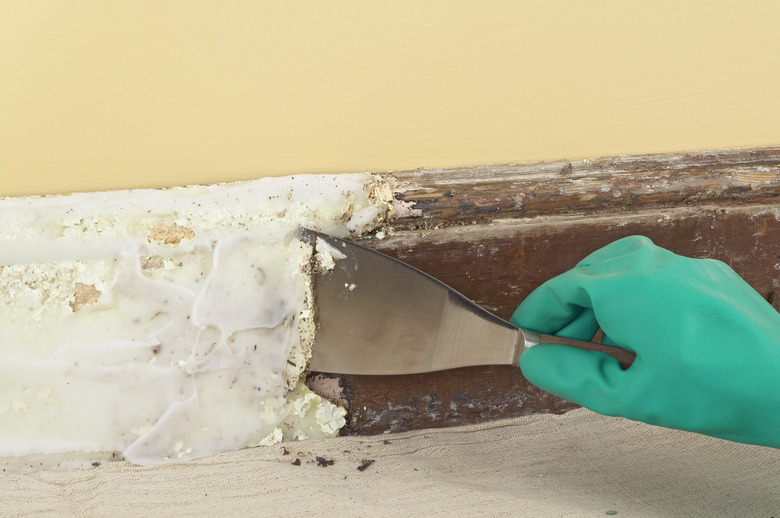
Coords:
pixel 707 344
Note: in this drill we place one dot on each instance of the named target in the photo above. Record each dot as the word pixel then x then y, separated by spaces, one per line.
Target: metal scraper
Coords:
pixel 378 315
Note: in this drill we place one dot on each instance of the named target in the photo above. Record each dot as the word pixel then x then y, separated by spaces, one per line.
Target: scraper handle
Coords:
pixel 626 358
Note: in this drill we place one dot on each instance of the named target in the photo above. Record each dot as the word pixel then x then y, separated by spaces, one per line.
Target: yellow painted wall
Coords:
pixel 97 95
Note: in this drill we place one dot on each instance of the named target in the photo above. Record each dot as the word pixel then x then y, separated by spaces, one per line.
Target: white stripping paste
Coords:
pixel 165 325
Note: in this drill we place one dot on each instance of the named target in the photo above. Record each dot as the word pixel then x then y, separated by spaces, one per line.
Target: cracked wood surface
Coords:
pixel 495 233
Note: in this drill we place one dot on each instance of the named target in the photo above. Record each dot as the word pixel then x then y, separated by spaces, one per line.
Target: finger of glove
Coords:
pixel 553 305
pixel 559 301
pixel 583 327
pixel 588 378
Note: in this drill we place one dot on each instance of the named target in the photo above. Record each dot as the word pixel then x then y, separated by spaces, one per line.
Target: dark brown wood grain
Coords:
pixel 496 233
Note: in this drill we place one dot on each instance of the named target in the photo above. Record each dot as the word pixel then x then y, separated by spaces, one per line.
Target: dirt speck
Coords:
pixel 323 462
pixel 365 464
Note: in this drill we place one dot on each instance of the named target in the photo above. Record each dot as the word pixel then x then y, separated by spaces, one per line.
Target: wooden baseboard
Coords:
pixel 495 233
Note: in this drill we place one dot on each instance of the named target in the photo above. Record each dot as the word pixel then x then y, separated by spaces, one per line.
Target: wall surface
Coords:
pixel 98 95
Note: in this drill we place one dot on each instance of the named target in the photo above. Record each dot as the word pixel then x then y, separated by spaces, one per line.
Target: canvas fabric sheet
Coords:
pixel 579 464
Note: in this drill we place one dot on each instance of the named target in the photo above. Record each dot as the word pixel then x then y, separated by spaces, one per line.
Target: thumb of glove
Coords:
pixel 587 378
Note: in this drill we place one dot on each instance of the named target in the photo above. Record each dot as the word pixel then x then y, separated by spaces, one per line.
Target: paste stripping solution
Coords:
pixel 165 325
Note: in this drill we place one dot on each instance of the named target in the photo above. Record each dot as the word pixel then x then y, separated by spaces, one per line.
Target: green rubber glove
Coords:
pixel 707 344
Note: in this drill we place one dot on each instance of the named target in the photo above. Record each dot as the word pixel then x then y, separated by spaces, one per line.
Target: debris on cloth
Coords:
pixel 572 465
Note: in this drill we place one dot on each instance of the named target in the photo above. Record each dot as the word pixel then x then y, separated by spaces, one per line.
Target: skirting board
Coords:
pixel 495 233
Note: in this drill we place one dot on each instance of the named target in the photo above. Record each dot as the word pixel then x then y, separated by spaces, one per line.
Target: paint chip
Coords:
pixel 169 235
pixel 84 295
